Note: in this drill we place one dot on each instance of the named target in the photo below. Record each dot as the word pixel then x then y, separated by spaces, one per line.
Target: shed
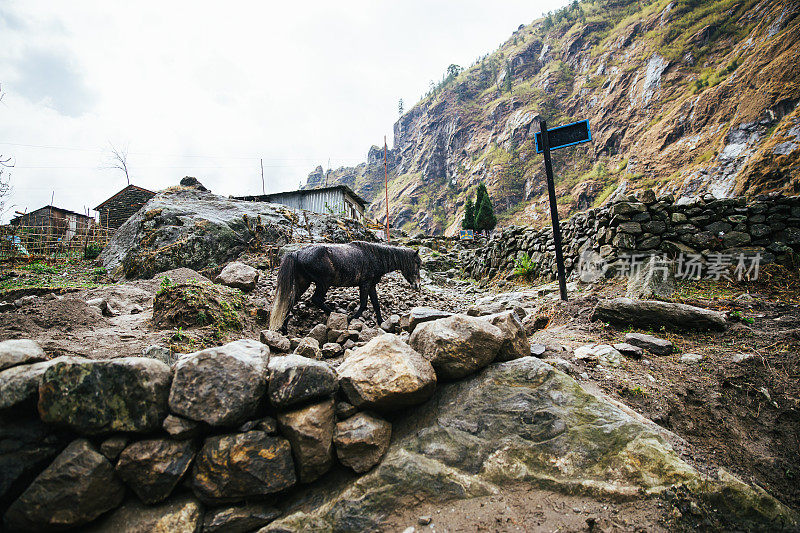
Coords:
pixel 122 206
pixel 55 221
pixel 338 200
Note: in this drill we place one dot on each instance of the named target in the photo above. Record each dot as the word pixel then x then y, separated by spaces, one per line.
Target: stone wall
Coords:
pixel 133 444
pixel 769 225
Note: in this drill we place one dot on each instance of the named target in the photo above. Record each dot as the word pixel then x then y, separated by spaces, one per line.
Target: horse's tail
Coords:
pixel 284 292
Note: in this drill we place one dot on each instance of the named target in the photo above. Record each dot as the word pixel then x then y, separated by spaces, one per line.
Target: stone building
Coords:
pixel 120 207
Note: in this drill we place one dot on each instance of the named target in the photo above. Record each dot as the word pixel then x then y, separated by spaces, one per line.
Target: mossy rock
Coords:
pixel 191 304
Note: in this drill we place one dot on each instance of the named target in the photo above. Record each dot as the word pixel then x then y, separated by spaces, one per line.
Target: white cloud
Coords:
pixel 206 88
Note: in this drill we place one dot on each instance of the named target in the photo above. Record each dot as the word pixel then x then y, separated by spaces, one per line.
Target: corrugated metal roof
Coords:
pixel 303 192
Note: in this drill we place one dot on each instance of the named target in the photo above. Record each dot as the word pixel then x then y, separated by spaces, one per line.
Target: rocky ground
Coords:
pixel 735 404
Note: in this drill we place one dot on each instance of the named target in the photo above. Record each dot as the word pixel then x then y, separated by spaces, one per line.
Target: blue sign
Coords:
pixel 563 136
pixel 466 235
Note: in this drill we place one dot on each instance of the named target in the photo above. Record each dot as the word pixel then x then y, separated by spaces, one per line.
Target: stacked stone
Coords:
pixel 768 225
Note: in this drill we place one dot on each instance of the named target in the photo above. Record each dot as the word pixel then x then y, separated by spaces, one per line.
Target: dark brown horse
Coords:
pixel 357 264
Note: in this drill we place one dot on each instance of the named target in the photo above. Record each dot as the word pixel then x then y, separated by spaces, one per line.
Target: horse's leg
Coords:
pixel 363 292
pixel 301 285
pixel 318 298
pixel 376 305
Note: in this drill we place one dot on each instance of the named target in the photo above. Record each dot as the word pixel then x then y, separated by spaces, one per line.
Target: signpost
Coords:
pixel 575 133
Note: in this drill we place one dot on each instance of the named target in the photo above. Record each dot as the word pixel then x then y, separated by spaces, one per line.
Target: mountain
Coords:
pixel 683 96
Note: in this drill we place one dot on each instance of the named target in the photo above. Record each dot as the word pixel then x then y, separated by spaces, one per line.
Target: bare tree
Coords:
pixel 119 160
pixel 5 177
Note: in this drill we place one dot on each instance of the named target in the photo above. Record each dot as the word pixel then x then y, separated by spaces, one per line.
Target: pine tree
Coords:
pixel 485 219
pixel 468 221
pixel 479 194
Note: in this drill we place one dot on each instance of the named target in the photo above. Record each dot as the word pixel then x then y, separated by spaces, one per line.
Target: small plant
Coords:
pixel 166 283
pixel 92 251
pixel 524 266
pixel 178 336
pixel 98 274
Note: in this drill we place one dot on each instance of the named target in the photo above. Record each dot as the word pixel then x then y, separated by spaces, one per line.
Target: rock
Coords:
pixel 20 384
pixel 337 321
pixel 650 343
pixel 239 519
pixel 267 424
pixel 239 276
pixel 337 335
pixel 309 347
pixel 655 277
pixel 386 374
pixel 691 358
pixel 294 379
pixel 420 315
pixel 743 357
pixel 367 334
pixel 75 489
pixel 345 410
pixel 20 352
pixel 458 345
pixel 231 468
pixel 189 304
pixel 599 353
pixel 192 182
pixel 220 386
pixel 197 229
pixel 182 514
pixel 320 333
pixel 652 313
pixel 310 432
pixel 275 341
pixel 628 350
pixel 361 441
pixel 160 353
pixel 424 520
pixel 331 349
pixel 94 397
pixel 152 468
pixel 515 341
pixel 486 308
pixel 538 350
pixel 181 428
pixel 735 239
pixel 27 446
pixel 113 446
pixel 519 422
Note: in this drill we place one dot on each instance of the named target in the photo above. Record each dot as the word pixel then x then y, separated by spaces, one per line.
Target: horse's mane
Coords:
pixel 390 256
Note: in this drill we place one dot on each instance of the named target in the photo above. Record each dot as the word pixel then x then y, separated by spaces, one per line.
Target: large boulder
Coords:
pixel 420 315
pixel 515 341
pixel 458 345
pixel 190 303
pixel 386 374
pixel 239 518
pixel 652 313
pixel 361 441
pixel 310 432
pixel 93 397
pixel 182 514
pixel 27 446
pixel 220 386
pixel 20 352
pixel 523 423
pixel 75 489
pixel 239 276
pixel 186 227
pixel 294 379
pixel 152 468
pixel 652 344
pixel 20 384
pixel 232 468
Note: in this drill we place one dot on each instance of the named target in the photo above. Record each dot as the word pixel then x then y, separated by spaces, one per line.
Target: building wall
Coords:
pixel 117 210
pixel 328 202
pixel 58 222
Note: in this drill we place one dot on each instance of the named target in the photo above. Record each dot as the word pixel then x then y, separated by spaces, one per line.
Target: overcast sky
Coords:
pixel 207 88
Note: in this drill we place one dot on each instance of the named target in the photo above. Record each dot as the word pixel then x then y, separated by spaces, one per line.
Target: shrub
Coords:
pixel 92 251
pixel 524 266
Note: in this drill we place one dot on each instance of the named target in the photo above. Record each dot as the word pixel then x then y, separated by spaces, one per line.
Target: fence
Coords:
pixel 27 243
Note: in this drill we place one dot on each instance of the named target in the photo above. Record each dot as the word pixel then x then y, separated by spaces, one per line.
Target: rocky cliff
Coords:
pixel 685 97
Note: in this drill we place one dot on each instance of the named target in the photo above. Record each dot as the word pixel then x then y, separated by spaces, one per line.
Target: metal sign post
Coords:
pixel 575 133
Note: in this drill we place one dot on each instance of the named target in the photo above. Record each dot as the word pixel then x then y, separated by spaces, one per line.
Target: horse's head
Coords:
pixel 411 270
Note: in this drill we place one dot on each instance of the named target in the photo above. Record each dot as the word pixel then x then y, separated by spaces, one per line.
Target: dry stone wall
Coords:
pixel 768 225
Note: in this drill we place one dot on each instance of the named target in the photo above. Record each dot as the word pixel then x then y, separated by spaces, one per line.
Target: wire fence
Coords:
pixel 31 243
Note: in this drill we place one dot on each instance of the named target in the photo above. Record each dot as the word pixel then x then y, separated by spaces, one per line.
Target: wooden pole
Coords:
pixel 551 189
pixel 263 187
pixel 386 184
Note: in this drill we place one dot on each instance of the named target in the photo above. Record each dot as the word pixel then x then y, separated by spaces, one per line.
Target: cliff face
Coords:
pixel 683 97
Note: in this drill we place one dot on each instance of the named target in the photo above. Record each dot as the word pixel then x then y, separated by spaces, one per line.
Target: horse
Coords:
pixel 356 264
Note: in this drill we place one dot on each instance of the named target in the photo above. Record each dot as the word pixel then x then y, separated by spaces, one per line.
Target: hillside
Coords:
pixel 683 96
